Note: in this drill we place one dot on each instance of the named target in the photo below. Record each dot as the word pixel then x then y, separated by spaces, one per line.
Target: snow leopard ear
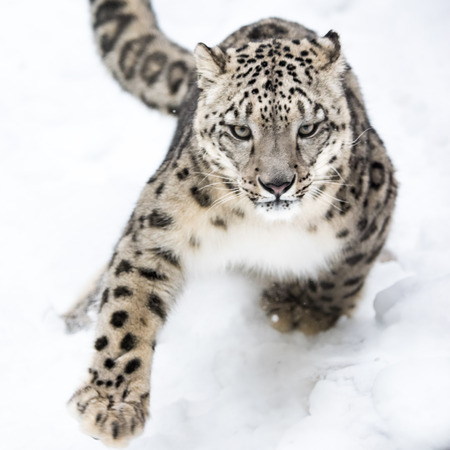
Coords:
pixel 210 63
pixel 332 47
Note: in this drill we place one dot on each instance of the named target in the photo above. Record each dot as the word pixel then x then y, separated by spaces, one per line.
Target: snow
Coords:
pixel 408 394
pixel 75 152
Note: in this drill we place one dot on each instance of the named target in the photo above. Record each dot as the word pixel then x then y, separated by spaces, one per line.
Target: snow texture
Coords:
pixel 75 152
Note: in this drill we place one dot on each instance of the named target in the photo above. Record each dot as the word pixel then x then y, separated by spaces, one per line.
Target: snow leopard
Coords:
pixel 274 170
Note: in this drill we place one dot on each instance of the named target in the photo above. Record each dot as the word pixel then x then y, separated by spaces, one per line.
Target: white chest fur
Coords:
pixel 277 248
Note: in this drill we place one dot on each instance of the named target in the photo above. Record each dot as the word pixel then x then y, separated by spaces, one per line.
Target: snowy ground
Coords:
pixel 75 152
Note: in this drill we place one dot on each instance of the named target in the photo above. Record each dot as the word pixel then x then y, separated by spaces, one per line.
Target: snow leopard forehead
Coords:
pixel 276 81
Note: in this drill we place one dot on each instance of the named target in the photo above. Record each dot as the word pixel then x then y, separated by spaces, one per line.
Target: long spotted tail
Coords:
pixel 139 55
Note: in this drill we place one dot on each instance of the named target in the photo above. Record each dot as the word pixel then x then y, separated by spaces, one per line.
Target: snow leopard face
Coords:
pixel 272 117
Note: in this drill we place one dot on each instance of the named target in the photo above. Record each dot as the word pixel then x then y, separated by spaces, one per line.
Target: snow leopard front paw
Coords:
pixel 307 322
pixel 287 312
pixel 114 421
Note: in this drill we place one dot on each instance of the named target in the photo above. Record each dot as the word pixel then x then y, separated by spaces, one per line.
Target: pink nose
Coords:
pixel 278 189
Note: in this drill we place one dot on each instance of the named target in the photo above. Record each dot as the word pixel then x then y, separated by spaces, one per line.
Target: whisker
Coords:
pixel 319 196
pixel 221 199
pixel 238 197
pixel 227 198
pixel 223 189
pixel 325 181
pixel 334 198
pixel 211 174
pixel 326 202
pixel 214 184
pixel 337 172
pixel 359 137
pixel 330 177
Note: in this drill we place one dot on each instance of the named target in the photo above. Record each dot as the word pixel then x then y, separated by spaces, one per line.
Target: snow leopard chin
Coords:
pixel 279 210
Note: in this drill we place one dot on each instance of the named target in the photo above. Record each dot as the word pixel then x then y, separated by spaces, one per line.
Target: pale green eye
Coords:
pixel 307 130
pixel 241 132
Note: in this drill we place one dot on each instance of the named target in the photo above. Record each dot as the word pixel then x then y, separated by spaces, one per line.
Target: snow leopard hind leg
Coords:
pixel 78 316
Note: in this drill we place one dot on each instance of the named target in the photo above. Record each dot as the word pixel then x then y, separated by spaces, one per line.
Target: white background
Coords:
pixel 75 152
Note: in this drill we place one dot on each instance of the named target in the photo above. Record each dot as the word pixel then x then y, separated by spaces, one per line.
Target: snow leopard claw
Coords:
pixel 115 423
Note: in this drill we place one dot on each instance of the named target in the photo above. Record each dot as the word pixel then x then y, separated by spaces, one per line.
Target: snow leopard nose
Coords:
pixel 276 187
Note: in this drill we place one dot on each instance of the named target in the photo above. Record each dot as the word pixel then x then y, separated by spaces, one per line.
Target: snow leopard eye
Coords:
pixel 306 131
pixel 241 132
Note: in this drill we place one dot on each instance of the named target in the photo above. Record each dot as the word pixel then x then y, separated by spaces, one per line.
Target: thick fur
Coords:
pixel 139 55
pixel 274 169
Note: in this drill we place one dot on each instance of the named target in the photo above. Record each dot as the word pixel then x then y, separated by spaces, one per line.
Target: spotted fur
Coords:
pixel 274 169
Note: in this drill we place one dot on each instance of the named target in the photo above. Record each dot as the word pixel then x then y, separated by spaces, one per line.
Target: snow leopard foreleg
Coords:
pixel 141 284
pixel 314 304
